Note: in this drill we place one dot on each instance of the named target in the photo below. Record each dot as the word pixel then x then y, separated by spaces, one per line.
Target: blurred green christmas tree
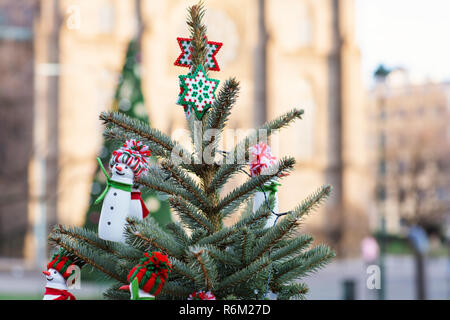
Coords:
pixel 129 100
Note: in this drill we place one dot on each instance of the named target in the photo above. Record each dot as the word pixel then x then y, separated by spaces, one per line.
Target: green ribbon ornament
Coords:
pixel 272 189
pixel 110 183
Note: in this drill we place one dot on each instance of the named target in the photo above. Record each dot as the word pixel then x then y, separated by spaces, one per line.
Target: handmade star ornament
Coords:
pixel 197 91
pixel 185 58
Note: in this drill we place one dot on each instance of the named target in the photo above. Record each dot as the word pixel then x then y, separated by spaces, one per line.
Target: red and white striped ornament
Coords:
pixel 134 154
pixel 261 158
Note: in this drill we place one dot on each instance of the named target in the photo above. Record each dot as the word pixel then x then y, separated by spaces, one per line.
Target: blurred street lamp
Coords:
pixel 447 242
pixel 381 90
pixel 419 241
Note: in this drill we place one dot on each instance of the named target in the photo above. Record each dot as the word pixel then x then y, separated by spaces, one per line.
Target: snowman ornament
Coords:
pixel 127 163
pixel 56 287
pixel 59 272
pixel 262 158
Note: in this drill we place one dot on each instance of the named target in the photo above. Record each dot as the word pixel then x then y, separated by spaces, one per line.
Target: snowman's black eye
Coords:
pixel 126 167
pixel 54 272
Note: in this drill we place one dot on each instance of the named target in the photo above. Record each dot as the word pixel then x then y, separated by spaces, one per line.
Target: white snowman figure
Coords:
pixel 126 163
pixel 262 158
pixel 260 198
pixel 59 270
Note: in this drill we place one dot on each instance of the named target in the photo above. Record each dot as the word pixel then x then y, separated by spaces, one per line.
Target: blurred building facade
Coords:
pixel 410 148
pixel 16 119
pixel 286 54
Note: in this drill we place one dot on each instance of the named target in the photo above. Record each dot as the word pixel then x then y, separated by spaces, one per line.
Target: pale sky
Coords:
pixel 414 34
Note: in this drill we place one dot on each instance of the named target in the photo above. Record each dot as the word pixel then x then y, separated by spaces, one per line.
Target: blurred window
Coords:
pixel 107 18
pixel 442 193
pixel 439 110
pixel 382 167
pixel 381 193
pixel 297 28
pixel 401 195
pixel 401 167
pixel 420 165
pixel 382 140
pixel 421 194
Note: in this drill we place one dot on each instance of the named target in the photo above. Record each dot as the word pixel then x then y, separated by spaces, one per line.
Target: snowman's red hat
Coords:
pixel 61 263
pixel 134 154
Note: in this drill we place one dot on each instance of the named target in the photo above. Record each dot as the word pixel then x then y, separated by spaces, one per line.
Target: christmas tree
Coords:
pixel 207 259
pixel 129 100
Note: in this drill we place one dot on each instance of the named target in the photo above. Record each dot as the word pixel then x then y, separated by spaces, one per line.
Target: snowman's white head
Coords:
pixel 122 173
pixel 54 279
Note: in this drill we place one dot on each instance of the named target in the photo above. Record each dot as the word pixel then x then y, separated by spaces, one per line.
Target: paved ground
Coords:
pixel 16 282
pixel 400 273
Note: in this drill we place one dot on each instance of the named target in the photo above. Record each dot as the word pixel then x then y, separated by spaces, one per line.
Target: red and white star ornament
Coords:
pixel 197 91
pixel 185 58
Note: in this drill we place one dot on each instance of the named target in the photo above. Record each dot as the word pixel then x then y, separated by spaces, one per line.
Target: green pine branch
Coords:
pixel 147 234
pixel 160 144
pixel 183 269
pixel 218 115
pixel 95 257
pixel 178 233
pixel 238 157
pixel 176 290
pixel 291 247
pixel 224 257
pixel 198 34
pixel 290 222
pixel 243 275
pixel 257 219
pixel 186 182
pixel 218 237
pixel 294 290
pixel 300 266
pixel 206 273
pixel 113 293
pixel 190 215
pixel 90 237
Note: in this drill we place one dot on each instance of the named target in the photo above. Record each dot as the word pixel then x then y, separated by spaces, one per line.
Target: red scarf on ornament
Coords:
pixel 135 195
pixel 63 294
